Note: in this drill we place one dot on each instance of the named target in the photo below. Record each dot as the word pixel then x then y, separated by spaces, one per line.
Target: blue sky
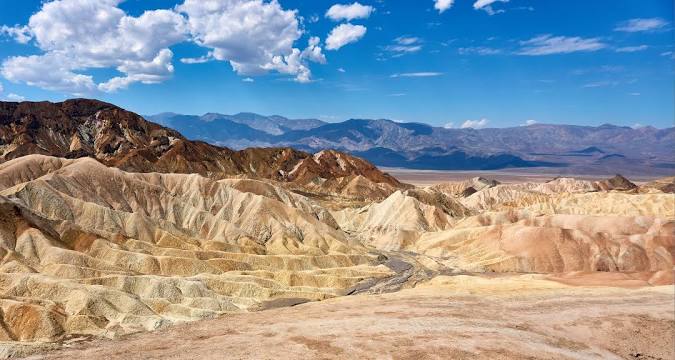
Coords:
pixel 480 63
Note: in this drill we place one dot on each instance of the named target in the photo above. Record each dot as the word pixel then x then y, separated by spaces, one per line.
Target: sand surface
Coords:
pixel 460 317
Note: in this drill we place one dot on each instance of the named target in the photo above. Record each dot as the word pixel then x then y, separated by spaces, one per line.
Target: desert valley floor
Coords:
pixel 122 239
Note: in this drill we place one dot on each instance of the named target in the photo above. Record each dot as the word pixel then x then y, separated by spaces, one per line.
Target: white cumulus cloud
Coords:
pixel 549 44
pixel 442 5
pixel 146 72
pixel 253 35
pixel 349 12
pixel 296 62
pixel 76 35
pixel 529 122
pixel 313 51
pixel 475 124
pixel 344 34
pixel 50 71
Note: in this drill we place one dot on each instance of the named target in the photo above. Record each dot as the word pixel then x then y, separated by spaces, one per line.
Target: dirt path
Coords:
pixel 489 319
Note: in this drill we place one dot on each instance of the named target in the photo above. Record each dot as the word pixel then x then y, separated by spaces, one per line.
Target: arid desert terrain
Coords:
pixel 121 239
pixel 337 180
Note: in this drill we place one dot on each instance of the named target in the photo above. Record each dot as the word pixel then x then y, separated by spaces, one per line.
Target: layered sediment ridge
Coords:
pixel 88 249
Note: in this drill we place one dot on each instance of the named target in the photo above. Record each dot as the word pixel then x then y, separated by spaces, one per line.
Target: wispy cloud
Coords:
pixel 631 49
pixel 397 94
pixel 529 122
pixel 248 79
pixel 15 97
pixel 198 60
pixel 417 74
pixel 642 25
pixel 548 45
pixel 599 84
pixel 404 45
pixel 342 70
pixel 351 87
pixel 407 40
pixel 22 34
pixel 329 118
pixel 610 69
pixel 478 50
pixel 486 5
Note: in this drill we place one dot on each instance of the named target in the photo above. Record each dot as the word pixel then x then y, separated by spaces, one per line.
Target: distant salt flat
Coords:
pixel 517 175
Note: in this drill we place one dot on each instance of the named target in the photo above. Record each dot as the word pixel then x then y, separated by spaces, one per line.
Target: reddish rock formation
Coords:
pixel 116 137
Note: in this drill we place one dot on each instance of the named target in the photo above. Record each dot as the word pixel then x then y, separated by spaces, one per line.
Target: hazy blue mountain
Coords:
pixel 218 131
pixel 421 146
pixel 274 125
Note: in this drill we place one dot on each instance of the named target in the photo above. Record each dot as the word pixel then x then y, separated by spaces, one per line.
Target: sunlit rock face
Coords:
pixel 89 249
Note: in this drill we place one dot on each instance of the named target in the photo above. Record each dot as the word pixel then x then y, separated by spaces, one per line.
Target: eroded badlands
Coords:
pixel 562 269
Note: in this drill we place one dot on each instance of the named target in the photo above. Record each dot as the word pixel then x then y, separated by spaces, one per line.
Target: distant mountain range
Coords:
pixel 605 148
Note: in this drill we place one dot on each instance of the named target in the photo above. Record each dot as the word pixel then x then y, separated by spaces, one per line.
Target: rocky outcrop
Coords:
pixel 399 220
pixel 464 188
pixel 618 182
pixel 526 242
pixel 665 185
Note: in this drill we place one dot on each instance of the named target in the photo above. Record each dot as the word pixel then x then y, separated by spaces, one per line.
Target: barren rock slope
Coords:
pixel 116 137
pixel 88 249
